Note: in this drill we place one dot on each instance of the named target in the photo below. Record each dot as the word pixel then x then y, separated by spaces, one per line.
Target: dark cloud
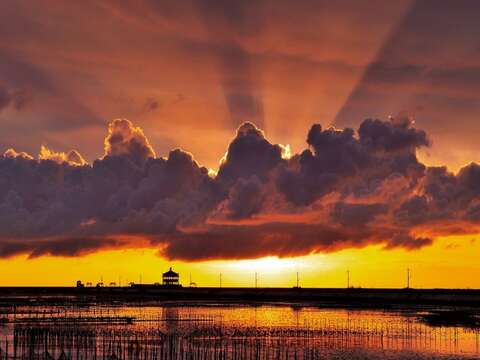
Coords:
pixel 336 154
pixel 126 140
pixel 348 189
pixel 408 242
pixel 413 211
pixel 245 199
pixel 342 162
pixel 61 247
pixel 386 136
pixel 250 153
pixel 270 239
pixel 356 215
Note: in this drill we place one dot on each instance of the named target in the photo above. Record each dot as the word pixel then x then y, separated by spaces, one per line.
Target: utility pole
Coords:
pixel 408 278
pixel 256 280
pixel 220 280
pixel 298 282
pixel 348 279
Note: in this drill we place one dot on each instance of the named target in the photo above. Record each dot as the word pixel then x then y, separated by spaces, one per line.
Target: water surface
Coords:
pixel 219 331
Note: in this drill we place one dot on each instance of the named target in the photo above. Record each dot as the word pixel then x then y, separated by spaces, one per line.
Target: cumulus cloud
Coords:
pixel 11 153
pixel 250 153
pixel 245 199
pixel 125 139
pixel 396 135
pixel 340 161
pixel 346 189
pixel 73 157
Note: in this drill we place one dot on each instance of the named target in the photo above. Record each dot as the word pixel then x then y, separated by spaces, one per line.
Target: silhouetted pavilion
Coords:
pixel 170 278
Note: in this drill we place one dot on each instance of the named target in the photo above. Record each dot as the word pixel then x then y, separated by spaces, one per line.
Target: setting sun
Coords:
pixel 266 265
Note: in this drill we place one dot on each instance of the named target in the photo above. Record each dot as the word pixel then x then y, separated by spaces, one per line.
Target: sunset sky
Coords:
pixel 237 137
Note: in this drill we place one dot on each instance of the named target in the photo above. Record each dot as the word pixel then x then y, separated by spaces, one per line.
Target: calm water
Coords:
pixel 227 332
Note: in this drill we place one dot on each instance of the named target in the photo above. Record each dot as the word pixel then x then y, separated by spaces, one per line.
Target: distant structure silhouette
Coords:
pixel 171 278
pixel 297 286
pixel 192 284
pixel 408 278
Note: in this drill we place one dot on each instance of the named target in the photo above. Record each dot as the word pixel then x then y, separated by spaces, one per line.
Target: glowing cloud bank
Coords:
pixel 347 189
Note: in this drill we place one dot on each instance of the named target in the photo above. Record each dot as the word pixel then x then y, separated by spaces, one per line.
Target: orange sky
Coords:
pixel 434 266
pixel 190 73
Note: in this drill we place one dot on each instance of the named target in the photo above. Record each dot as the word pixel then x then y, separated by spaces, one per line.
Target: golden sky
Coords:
pixel 436 266
pixel 187 75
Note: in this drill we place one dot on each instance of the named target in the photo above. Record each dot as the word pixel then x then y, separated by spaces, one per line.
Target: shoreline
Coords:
pixel 328 297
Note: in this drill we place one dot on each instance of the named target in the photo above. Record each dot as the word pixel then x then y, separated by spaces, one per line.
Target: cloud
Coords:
pixel 245 199
pixel 125 139
pixel 11 153
pixel 62 247
pixel 391 136
pixel 408 242
pixel 340 161
pixel 346 189
pixel 260 240
pixel 356 215
pixel 250 153
pixel 73 157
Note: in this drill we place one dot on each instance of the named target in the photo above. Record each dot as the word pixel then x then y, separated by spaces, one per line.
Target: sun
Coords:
pixel 266 265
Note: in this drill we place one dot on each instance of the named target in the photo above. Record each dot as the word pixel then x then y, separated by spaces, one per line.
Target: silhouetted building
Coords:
pixel 170 278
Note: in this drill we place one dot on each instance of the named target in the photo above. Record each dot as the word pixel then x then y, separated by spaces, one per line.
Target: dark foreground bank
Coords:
pixel 372 298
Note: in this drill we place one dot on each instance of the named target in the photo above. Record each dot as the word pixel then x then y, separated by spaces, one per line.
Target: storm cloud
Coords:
pixel 346 189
